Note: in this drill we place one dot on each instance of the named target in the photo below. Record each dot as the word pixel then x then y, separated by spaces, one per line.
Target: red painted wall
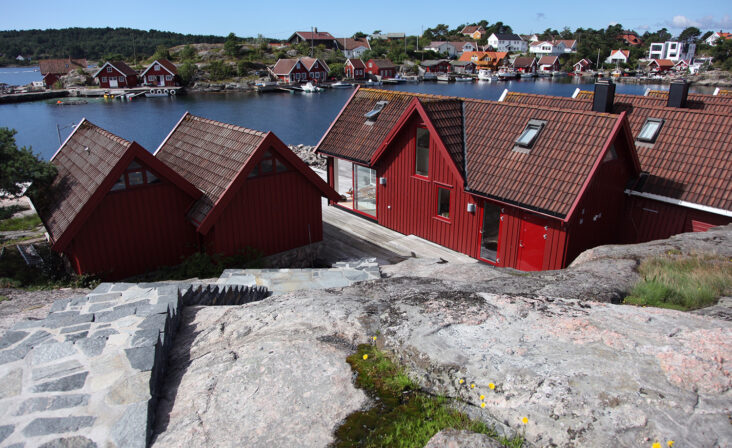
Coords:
pixel 648 220
pixel 271 214
pixel 156 80
pixel 50 79
pixel 291 77
pixel 127 81
pixel 349 71
pixel 134 231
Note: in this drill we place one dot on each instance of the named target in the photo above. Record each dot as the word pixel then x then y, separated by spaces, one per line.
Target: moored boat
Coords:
pixel 463 79
pixel 528 75
pixel 341 85
pixel 486 75
pixel 444 78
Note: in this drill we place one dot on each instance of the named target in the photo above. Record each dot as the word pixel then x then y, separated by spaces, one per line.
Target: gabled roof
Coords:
pixel 548 60
pixel 89 162
pixel 60 66
pixel 216 157
pixel 662 63
pixel 487 56
pixel 458 45
pixel 436 43
pixel 284 66
pixel 470 29
pixel 353 43
pixel 308 35
pixel 383 63
pixel 625 53
pixel 166 64
pixel 120 66
pixel 691 159
pixel 584 62
pixel 479 136
pixel 309 62
pixel 631 39
pixel 507 36
pixel 569 43
pixel 433 62
pixel 524 61
pixel 356 63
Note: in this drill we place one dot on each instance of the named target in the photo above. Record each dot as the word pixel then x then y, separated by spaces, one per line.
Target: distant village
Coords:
pixel 478 55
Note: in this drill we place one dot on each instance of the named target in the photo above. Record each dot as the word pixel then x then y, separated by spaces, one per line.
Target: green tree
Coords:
pixel 20 166
pixel 218 70
pixel 337 70
pixel 359 35
pixel 231 46
pixel 187 71
pixel 188 53
pixel 161 52
pixel 690 34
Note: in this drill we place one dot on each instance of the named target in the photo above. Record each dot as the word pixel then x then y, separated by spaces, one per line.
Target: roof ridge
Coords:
pixel 250 131
pixel 106 133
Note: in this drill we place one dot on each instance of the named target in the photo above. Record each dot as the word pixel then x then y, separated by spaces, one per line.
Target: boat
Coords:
pixel 444 78
pixel 544 74
pixel 371 82
pixel 528 75
pixel 309 87
pixel 341 85
pixel 428 76
pixel 486 75
pixel 506 75
pixel 559 74
pixel 463 79
pixel 266 86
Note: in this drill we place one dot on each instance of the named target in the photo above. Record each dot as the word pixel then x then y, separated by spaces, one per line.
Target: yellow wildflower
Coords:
pixel 482 405
pixel 656 445
pixel 482 397
pixel 472 386
pixel 462 381
pixel 491 386
pixel 365 357
pixel 525 420
pixel 374 338
pixel 670 443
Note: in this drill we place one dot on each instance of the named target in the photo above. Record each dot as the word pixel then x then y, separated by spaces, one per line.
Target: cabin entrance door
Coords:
pixel 532 241
pixel 161 80
pixel 113 82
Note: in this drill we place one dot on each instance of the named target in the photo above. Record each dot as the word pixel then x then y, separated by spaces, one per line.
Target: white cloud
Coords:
pixel 704 23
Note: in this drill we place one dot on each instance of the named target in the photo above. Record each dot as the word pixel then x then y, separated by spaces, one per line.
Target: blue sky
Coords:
pixel 278 19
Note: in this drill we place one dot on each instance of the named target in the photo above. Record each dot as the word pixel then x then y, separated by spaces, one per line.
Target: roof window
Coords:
pixel 529 135
pixel 649 131
pixel 373 114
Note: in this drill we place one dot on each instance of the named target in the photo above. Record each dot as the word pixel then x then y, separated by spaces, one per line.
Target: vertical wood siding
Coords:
pixel 271 214
pixel 134 231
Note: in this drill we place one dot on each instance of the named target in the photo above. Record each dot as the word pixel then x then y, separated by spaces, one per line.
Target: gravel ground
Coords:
pixel 23 305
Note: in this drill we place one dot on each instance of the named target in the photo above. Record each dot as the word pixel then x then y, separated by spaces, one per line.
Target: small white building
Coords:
pixel 546 48
pixel 618 57
pixel 507 42
pixel 441 47
pixel 712 40
pixel 353 48
pixel 671 50
pixel 462 47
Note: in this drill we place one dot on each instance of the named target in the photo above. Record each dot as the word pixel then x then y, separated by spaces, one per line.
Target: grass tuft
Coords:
pixel 403 416
pixel 10 210
pixel 682 282
pixel 22 223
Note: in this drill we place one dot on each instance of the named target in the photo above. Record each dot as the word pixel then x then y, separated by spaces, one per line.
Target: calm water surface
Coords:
pixel 295 118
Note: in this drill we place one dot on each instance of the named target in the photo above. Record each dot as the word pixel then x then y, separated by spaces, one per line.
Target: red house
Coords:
pixel 53 69
pixel 436 66
pixel 355 69
pixel 684 145
pixel 114 209
pixel 549 64
pixel 660 65
pixel 317 69
pixel 525 64
pixel 515 186
pixel 116 74
pixel 582 65
pixel 161 73
pixel 300 70
pixel 257 193
pixel 381 67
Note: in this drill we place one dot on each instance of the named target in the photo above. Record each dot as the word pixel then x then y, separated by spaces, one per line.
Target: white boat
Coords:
pixel 486 75
pixel 373 83
pixel 559 74
pixel 310 87
pixel 544 74
pixel 504 75
pixel 428 76
pixel 444 78
pixel 341 85
pixel 463 79
pixel 528 75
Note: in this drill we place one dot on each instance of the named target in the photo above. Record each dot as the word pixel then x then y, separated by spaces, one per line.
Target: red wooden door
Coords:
pixel 532 242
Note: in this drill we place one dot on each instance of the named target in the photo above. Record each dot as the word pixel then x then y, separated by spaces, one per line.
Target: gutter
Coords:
pixel 692 205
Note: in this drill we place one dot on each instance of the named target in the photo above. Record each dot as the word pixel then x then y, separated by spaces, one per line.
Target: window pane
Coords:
pixel 133 165
pixel 650 128
pixel 135 178
pixel 280 166
pixel 489 240
pixel 120 184
pixel 365 194
pixel 443 202
pixel 528 135
pixel 151 178
pixel 423 152
pixel 266 166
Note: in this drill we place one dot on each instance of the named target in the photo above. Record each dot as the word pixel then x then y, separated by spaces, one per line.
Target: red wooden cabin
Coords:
pixel 291 70
pixel 381 67
pixel 114 209
pixel 525 64
pixel 582 65
pixel 257 192
pixel 355 69
pixel 684 145
pixel 514 186
pixel 53 69
pixel 549 64
pixel 436 66
pixel 116 74
pixel 317 69
pixel 161 73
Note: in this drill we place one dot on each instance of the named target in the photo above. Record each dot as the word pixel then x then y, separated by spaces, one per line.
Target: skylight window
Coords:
pixel 374 113
pixel 649 131
pixel 529 135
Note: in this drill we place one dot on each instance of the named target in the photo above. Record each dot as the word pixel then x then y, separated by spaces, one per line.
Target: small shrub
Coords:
pixel 681 282
pixel 21 223
pixel 10 210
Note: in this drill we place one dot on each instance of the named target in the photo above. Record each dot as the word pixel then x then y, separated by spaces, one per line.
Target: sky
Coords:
pixel 279 19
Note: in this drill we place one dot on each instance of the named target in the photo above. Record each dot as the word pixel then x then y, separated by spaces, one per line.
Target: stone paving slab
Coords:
pixel 88 374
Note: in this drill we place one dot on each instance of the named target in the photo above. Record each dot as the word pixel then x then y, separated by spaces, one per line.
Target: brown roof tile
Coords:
pixel 60 66
pixel 209 154
pixel 383 63
pixel 80 173
pixel 357 63
pixel 284 66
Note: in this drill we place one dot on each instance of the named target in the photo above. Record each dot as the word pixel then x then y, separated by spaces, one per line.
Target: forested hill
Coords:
pixel 91 43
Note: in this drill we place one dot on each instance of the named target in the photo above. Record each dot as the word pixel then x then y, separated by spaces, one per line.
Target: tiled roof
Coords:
pixel 691 159
pixel 209 154
pixel 351 44
pixel 383 63
pixel 659 98
pixel 524 61
pixel 60 66
pixel 507 36
pixel 569 43
pixel 625 53
pixel 470 29
pixel 284 66
pixel 663 62
pixel 169 65
pixel 548 60
pixel 433 62
pixel 357 63
pixel 124 68
pixel 320 35
pixel 460 45
pixel 80 173
pixel 309 62
pixel 584 62
pixel 548 179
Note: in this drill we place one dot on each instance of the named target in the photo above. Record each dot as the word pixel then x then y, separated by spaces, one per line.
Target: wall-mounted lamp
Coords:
pixel 382 181
pixel 471 208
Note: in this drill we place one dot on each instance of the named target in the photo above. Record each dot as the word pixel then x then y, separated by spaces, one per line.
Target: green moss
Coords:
pixel 22 223
pixel 4 298
pixel 402 416
pixel 682 282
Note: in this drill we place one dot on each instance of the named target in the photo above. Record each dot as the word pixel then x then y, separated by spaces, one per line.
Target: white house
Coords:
pixel 618 57
pixel 353 48
pixel 546 48
pixel 507 42
pixel 570 45
pixel 712 40
pixel 461 47
pixel 671 50
pixel 441 47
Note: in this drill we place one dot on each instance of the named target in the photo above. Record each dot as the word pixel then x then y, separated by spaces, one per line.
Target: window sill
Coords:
pixel 442 220
pixel 420 178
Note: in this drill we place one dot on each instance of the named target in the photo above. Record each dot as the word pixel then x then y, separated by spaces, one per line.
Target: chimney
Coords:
pixel 315 30
pixel 677 94
pixel 604 96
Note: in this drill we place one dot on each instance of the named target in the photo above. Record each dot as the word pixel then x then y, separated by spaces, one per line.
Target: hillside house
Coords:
pixel 508 42
pixel 436 66
pixel 314 38
pixel 446 169
pixel 484 59
pixel 549 64
pixel 716 36
pixel 355 69
pixel 475 32
pixel 442 47
pixel 546 48
pixel 53 69
pixel 618 57
pixel 353 48
pixel 582 65
pixel 631 39
pixel 161 73
pixel 525 64
pixel 113 209
pixel 381 67
pixel 257 193
pixel 116 74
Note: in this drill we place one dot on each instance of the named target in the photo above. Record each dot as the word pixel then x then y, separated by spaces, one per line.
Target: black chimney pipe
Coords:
pixel 604 96
pixel 677 94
